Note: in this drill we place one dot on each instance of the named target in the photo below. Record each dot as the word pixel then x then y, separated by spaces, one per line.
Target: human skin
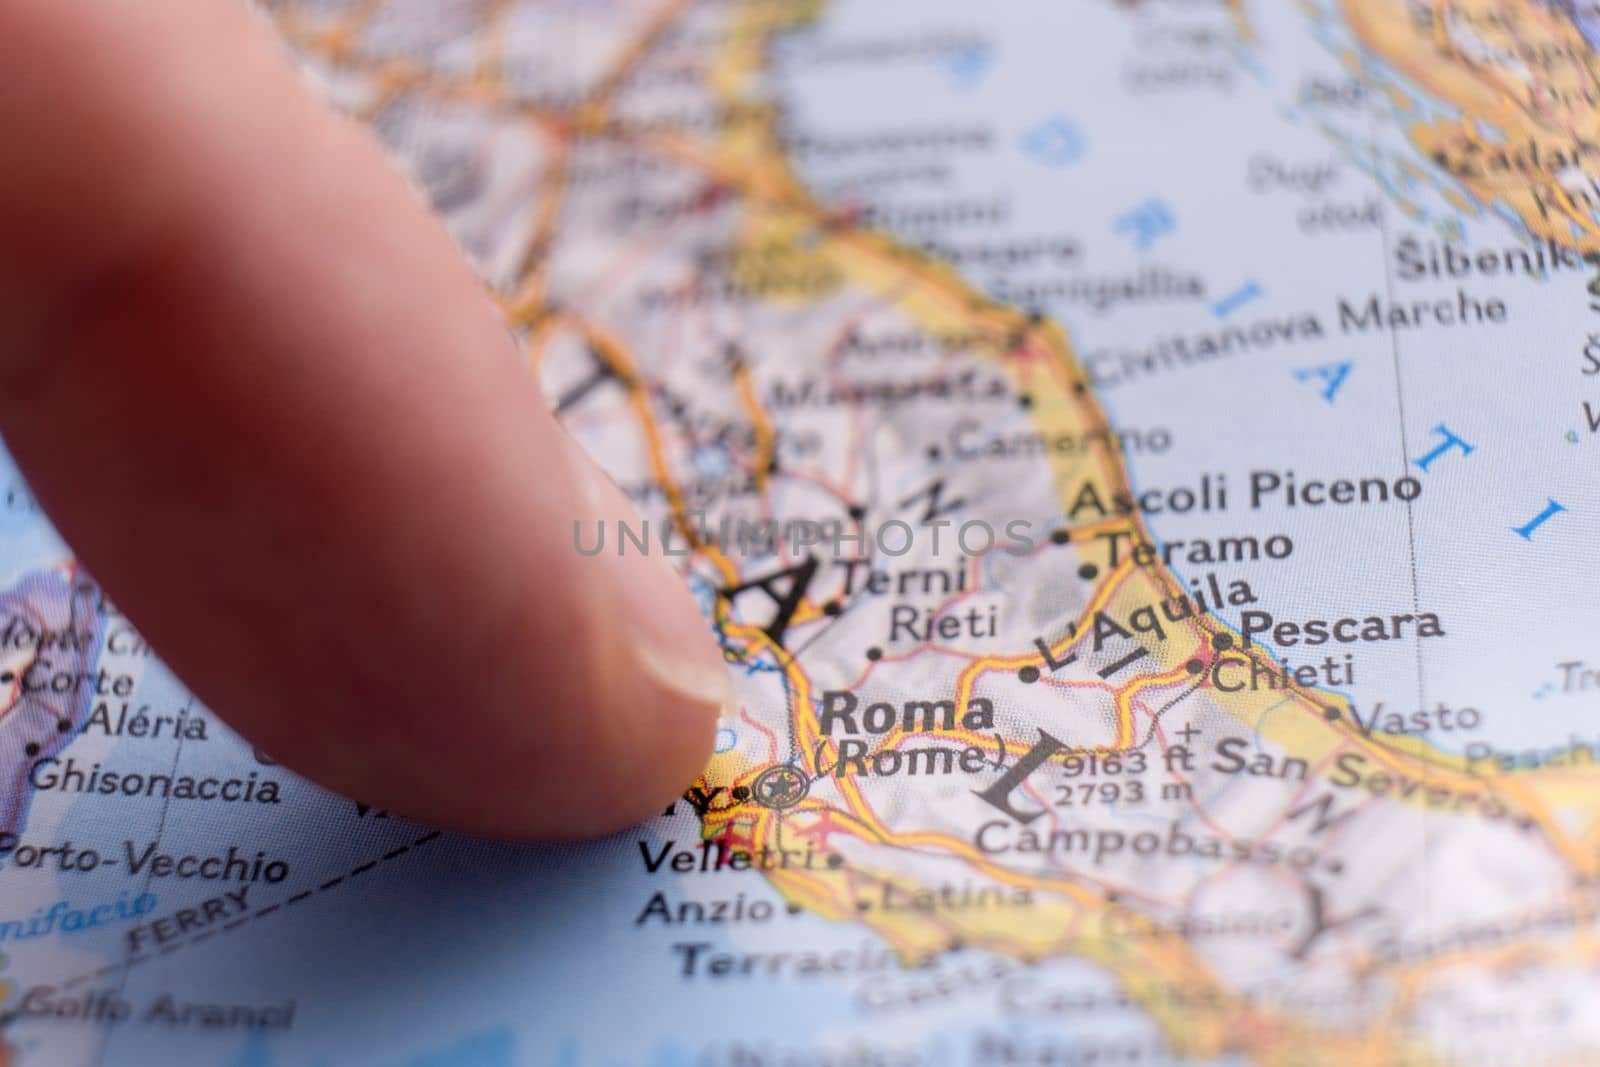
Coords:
pixel 264 398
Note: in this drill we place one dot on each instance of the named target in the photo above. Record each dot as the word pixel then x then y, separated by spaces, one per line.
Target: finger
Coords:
pixel 263 397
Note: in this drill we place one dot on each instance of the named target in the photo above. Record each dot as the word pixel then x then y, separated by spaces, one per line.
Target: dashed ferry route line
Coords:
pixel 249 918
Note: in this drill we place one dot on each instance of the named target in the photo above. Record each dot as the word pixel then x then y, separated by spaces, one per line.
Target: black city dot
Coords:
pixel 64 726
pixel 1331 714
pixel 741 793
pixel 1025 401
pixel 857 512
pixel 1088 572
pixel 874 653
pixel 835 861
pixel 832 608
pixel 1194 666
pixel 31 749
pixel 1222 642
pixel 8 676
pixel 1080 387
pixel 933 453
pixel 1029 675
pixel 1060 537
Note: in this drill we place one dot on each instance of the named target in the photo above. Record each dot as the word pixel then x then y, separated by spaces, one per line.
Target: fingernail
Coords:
pixel 667 636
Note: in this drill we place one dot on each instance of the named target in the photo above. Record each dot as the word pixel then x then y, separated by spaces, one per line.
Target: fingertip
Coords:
pixel 614 758
pixel 353 520
pixel 658 684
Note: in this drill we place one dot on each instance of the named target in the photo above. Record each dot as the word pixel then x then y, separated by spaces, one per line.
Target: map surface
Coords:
pixel 1139 461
